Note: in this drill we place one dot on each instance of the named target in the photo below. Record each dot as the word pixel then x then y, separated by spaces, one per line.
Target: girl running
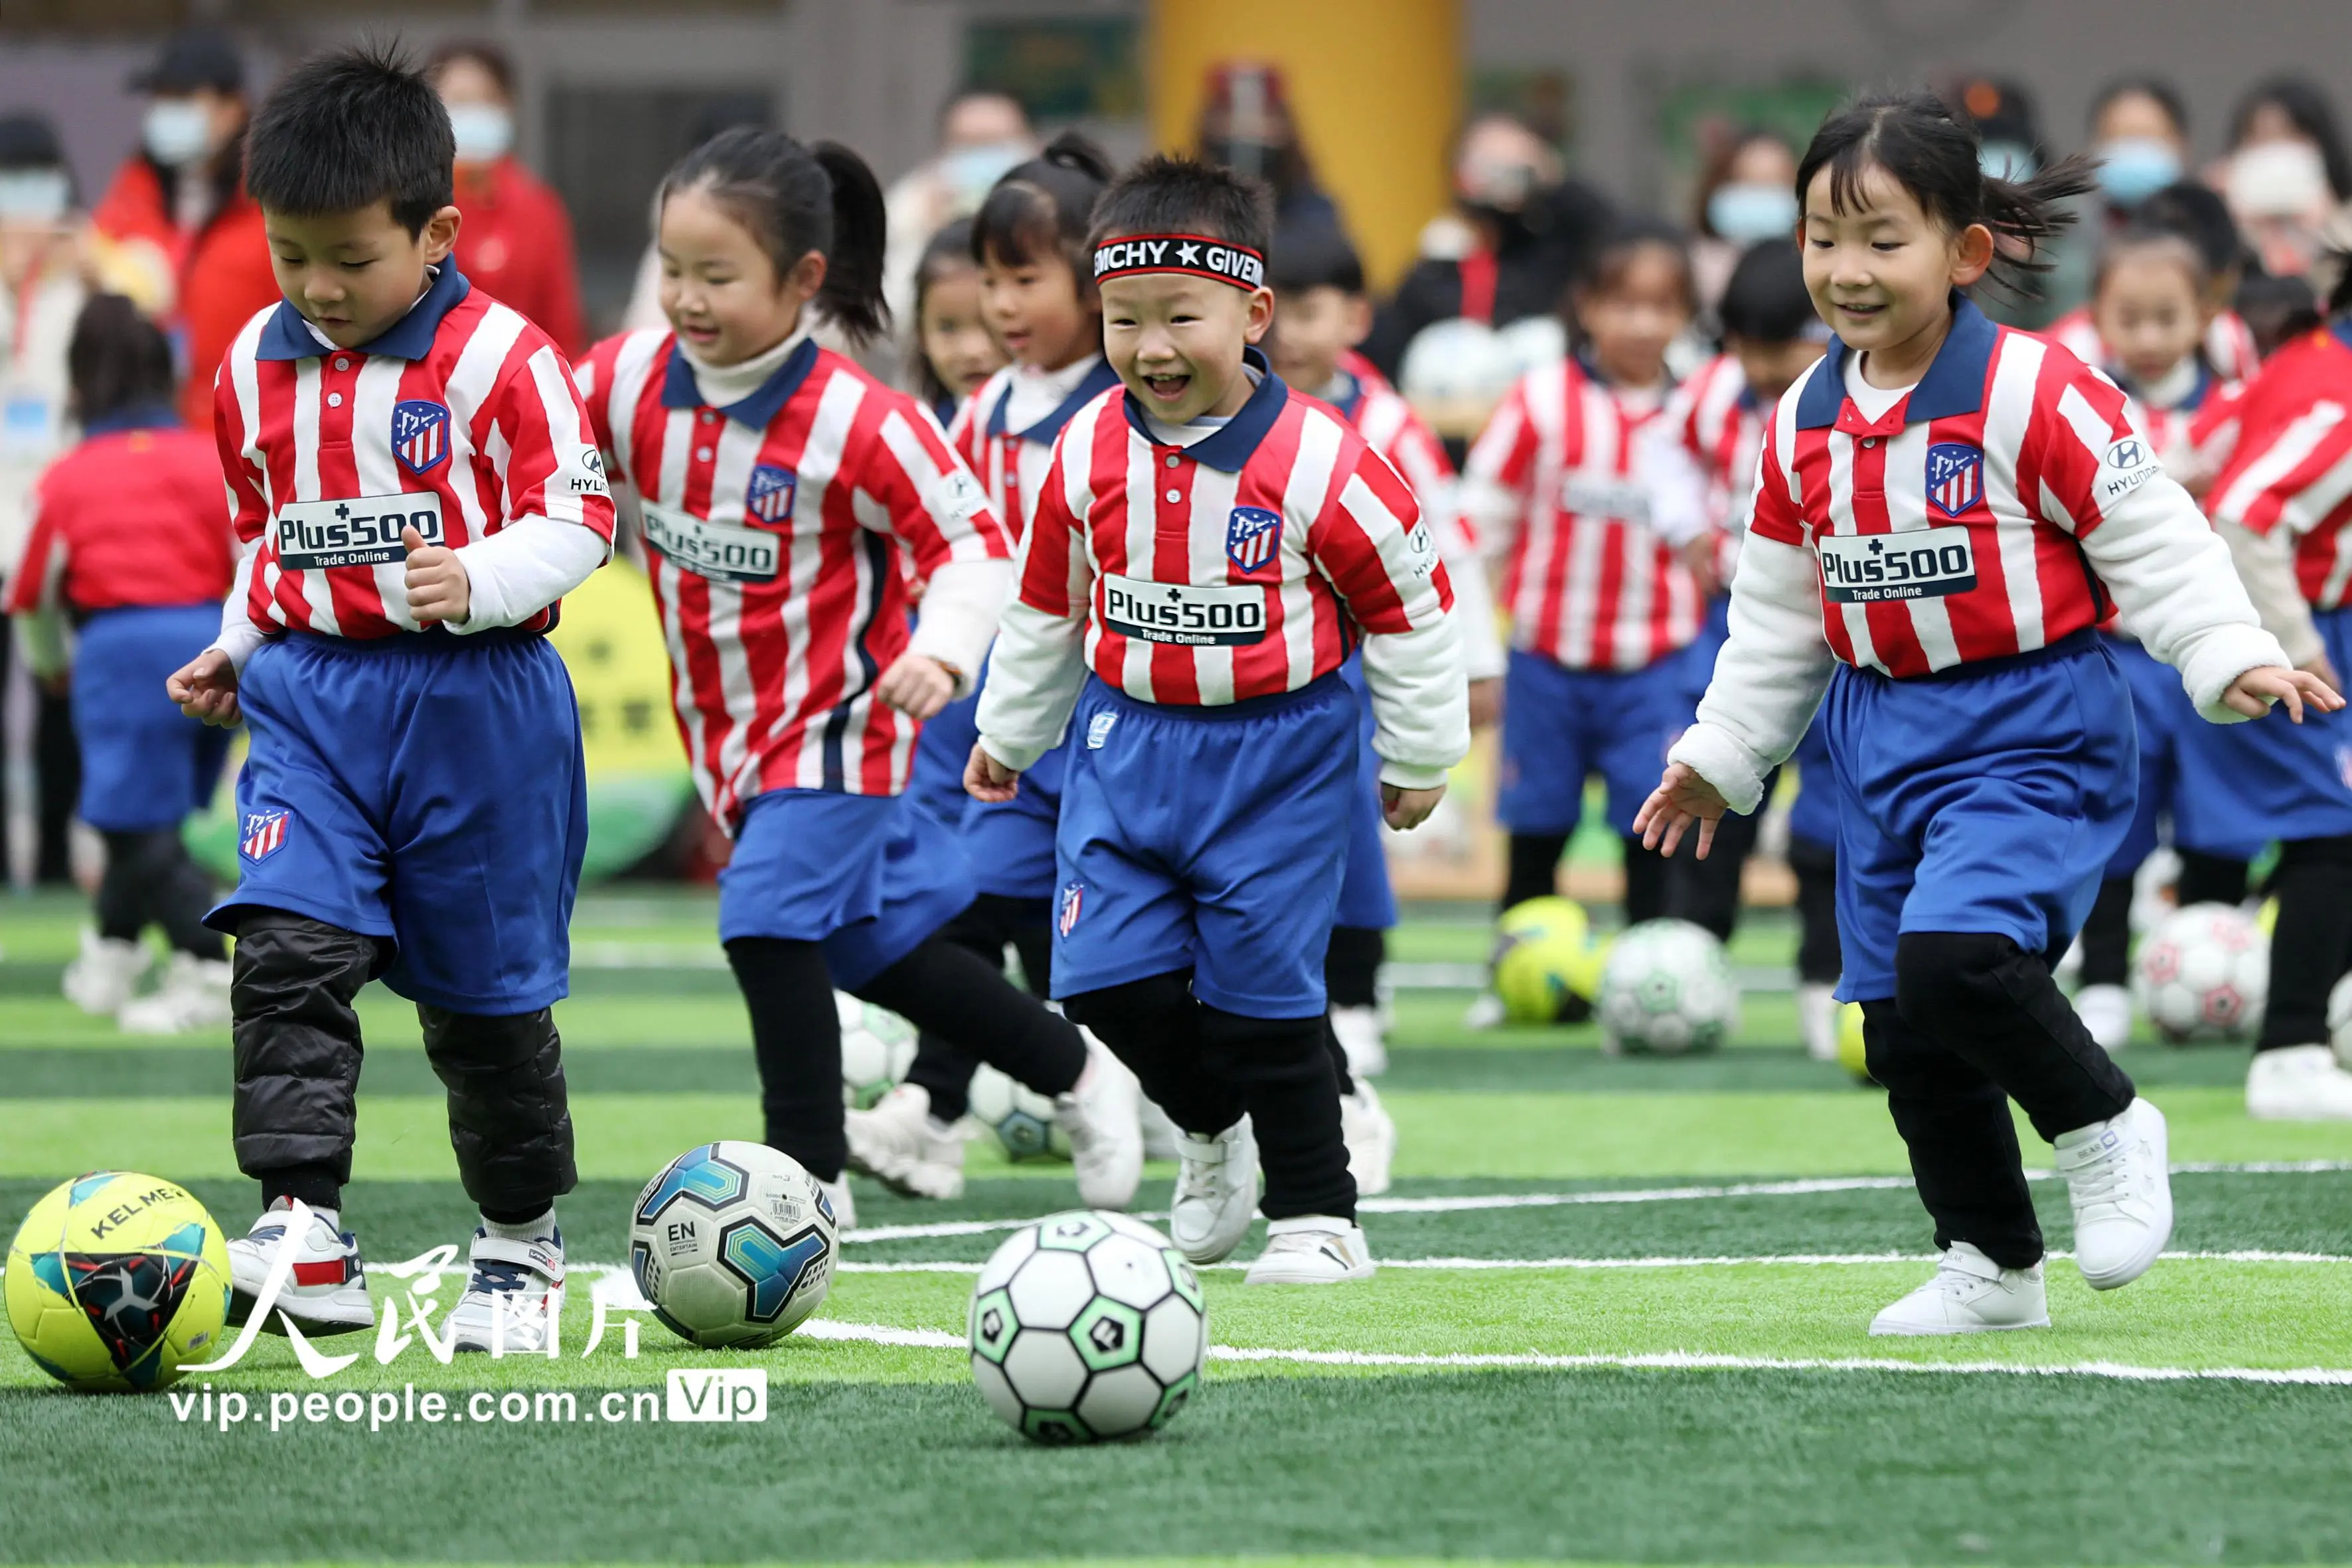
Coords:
pixel 954 351
pixel 1945 510
pixel 780 485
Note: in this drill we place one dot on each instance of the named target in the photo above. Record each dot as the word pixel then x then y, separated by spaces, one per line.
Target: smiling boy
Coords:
pixel 414 487
pixel 1210 548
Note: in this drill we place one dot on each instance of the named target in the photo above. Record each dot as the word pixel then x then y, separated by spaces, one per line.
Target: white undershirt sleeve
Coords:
pixel 961 606
pixel 1768 677
pixel 524 567
pixel 238 636
pixel 2265 565
pixel 1034 674
pixel 1420 716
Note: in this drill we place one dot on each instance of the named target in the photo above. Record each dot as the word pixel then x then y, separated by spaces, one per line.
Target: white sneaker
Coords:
pixel 102 979
pixel 1216 1193
pixel 1160 1135
pixel 1102 1116
pixel 1372 1136
pixel 2106 1011
pixel 513 1296
pixel 325 1292
pixel 2121 1190
pixel 845 1207
pixel 1970 1294
pixel 194 995
pixel 1363 1037
pixel 1485 1012
pixel 1312 1250
pixel 902 1145
pixel 2298 1083
pixel 1817 1019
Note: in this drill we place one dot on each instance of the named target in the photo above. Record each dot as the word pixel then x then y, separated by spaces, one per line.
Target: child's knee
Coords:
pixel 288 963
pixel 1942 978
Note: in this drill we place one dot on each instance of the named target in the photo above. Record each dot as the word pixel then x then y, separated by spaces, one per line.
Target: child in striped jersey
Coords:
pixel 1943 508
pixel 1213 547
pixel 780 485
pixel 1605 615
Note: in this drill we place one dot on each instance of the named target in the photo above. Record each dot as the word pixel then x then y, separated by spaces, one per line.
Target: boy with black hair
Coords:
pixel 1204 832
pixel 414 488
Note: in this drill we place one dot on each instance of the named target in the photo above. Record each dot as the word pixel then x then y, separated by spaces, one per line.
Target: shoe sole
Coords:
pixel 2144 1260
pixel 1907 1334
pixel 1253 1278
pixel 241 1305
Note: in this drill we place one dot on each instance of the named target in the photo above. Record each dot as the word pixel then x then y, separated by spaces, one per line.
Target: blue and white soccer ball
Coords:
pixel 1022 1118
pixel 1668 989
pixel 1088 1325
pixel 733 1245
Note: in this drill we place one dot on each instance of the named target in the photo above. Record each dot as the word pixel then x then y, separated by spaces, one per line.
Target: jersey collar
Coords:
pixel 286 336
pixel 137 416
pixel 760 409
pixel 1099 380
pixel 1230 448
pixel 1954 384
pixel 2340 328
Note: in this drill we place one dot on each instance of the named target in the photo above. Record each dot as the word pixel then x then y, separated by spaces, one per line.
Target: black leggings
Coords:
pixel 1535 873
pixel 151 879
pixel 796 1031
pixel 1820 955
pixel 1207 1067
pixel 2311 947
pixel 985 929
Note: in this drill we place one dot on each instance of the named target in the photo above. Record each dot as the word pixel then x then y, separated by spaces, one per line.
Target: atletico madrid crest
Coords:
pixel 420 434
pixel 770 497
pixel 1074 898
pixel 265 834
pixel 1954 477
pixel 1252 535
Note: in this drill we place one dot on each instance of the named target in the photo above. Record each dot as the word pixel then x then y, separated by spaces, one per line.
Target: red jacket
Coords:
pixel 134 515
pixel 222 272
pixel 516 246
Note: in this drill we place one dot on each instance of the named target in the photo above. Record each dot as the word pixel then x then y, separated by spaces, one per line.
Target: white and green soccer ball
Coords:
pixel 2203 974
pixel 1667 989
pixel 1018 1118
pixel 1086 1326
pixel 877 1047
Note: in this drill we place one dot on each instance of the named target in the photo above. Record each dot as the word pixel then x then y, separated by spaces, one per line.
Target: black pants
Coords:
pixel 941 987
pixel 1207 1067
pixel 151 879
pixel 2311 947
pixel 1820 956
pixel 992 921
pixel 297 1051
pixel 1976 1022
pixel 2106 934
pixel 1535 871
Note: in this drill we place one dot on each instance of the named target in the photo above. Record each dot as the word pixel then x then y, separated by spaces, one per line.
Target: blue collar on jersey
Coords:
pixel 758 410
pixel 1953 384
pixel 1099 380
pixel 1230 448
pixel 287 336
pixel 2341 326
pixel 137 416
pixel 1354 399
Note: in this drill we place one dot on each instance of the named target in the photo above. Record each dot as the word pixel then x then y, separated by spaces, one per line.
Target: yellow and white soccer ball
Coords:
pixel 1853 1054
pixel 117 1281
pixel 1547 963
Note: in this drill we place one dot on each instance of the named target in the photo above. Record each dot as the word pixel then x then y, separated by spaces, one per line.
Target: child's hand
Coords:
pixel 1699 556
pixel 1680 798
pixel 1406 809
pixel 1486 702
pixel 916 685
pixel 205 688
pixel 439 588
pixel 2253 692
pixel 985 778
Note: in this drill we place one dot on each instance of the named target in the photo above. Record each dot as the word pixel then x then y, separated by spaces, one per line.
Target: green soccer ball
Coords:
pixel 1547 963
pixel 117 1281
pixel 1668 990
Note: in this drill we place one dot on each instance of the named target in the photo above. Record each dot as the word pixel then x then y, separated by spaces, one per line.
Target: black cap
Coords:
pixel 29 141
pixel 194 58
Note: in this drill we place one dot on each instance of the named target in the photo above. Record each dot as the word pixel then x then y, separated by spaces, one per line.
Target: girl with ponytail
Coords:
pixel 788 497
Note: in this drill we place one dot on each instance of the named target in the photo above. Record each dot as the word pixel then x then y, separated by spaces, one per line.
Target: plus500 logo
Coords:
pixel 731 1393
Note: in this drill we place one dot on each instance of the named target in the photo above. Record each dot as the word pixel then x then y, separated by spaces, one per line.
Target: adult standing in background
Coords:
pixel 1246 125
pixel 982 135
pixel 175 230
pixel 2287 177
pixel 516 241
pixel 1746 193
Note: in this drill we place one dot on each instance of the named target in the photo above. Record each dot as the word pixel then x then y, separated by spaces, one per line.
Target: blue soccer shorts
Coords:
pixel 1367 902
pixel 2273 778
pixel 1560 725
pixel 145 765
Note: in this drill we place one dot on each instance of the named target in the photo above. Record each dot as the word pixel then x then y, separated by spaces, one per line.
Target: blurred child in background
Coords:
pixel 954 352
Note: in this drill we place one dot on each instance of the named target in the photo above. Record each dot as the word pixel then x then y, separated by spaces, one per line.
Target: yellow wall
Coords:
pixel 1376 84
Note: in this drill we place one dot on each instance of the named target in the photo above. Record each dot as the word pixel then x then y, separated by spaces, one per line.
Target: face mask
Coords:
pixel 2134 168
pixel 1497 187
pixel 484 132
pixel 34 196
pixel 176 132
pixel 2279 179
pixel 970 171
pixel 2007 160
pixel 1745 213
pixel 1242 154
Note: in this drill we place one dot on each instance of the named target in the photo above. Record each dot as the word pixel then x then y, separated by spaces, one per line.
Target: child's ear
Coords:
pixel 1972 255
pixel 1260 309
pixel 440 236
pixel 806 276
pixel 1360 319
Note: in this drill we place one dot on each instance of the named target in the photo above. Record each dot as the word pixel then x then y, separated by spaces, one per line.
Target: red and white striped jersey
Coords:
pixel 1243 565
pixel 1011 464
pixel 773 529
pixel 460 420
pixel 1947 530
pixel 1390 427
pixel 2229 347
pixel 1717 420
pixel 2293 465
pixel 1554 479
pixel 2195 436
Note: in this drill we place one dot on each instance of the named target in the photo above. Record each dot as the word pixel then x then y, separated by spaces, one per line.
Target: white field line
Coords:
pixel 1667 1361
pixel 1779 1260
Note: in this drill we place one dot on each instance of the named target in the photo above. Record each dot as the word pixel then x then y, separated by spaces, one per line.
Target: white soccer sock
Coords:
pixel 539 1229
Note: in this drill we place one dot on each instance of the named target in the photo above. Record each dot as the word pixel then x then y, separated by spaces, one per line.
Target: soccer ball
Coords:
pixel 116 1280
pixel 1022 1118
pixel 877 1047
pixel 1853 1051
pixel 733 1245
pixel 1668 988
pixel 1088 1325
pixel 1546 962
pixel 2203 974
pixel 2339 1020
